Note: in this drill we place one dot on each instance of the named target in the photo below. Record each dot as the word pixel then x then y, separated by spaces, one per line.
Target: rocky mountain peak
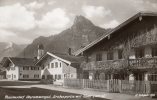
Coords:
pixel 82 22
pixel 80 34
pixel 82 19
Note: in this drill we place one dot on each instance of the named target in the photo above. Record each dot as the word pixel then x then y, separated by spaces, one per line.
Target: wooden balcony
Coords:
pixel 143 63
pixel 133 63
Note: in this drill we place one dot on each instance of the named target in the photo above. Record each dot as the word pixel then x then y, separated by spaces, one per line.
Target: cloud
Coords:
pixel 51 2
pixel 16 17
pixel 56 20
pixel 144 5
pixel 35 5
pixel 111 24
pixel 92 11
pixel 8 36
pixel 5 34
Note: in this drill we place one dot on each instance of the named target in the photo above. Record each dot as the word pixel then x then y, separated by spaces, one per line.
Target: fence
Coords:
pixel 74 83
pixel 115 85
pixel 95 84
pixel 135 87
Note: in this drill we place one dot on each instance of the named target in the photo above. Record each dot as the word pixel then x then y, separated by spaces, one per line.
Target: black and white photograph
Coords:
pixel 78 49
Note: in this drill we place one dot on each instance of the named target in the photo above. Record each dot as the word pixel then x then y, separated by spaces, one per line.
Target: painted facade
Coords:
pixel 128 52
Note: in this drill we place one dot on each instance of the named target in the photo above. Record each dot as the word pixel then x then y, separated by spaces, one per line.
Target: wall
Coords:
pixel 69 71
pixel 134 28
pixel 29 72
pixel 52 71
pixel 14 74
pixel 92 57
pixel 63 69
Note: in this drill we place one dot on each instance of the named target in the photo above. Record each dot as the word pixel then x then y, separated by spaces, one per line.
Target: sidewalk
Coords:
pixel 112 96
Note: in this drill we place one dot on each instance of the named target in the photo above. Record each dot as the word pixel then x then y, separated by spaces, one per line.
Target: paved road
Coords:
pixel 112 96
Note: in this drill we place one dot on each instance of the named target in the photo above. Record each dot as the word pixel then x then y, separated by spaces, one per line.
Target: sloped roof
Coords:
pixel 140 14
pixel 72 59
pixel 18 61
pixel 22 61
pixel 63 57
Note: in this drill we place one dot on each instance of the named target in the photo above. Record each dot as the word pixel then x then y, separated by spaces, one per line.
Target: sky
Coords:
pixel 21 21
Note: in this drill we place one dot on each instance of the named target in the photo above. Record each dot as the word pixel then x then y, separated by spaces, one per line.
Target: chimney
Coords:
pixel 69 51
pixel 40 51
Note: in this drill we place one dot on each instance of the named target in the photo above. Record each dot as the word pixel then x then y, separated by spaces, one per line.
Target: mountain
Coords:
pixel 81 33
pixel 9 49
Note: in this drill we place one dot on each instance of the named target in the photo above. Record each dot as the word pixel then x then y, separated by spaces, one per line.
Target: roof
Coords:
pixel 18 61
pixel 140 14
pixel 63 57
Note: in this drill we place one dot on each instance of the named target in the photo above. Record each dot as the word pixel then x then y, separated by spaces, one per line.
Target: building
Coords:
pixel 21 68
pixel 46 66
pixel 2 75
pixel 128 51
pixel 2 72
pixel 56 67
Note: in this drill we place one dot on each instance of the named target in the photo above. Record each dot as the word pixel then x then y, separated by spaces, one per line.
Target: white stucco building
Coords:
pixel 21 69
pixel 59 66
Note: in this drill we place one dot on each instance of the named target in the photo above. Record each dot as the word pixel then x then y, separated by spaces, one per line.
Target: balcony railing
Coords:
pixel 143 62
pixel 134 63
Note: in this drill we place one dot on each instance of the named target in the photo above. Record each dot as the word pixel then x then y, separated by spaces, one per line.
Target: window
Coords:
pixel 152 77
pixel 12 68
pixel 48 66
pixel 60 64
pixel 59 77
pixel 65 76
pixel 10 64
pixel 120 54
pixel 25 76
pixel 139 53
pixel 36 76
pixel 52 65
pixel 32 68
pixel 14 76
pixel 56 64
pixel 55 76
pixel 25 68
pixel 99 57
pixel 43 76
pixel 110 56
pixel 36 68
pixel 154 52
